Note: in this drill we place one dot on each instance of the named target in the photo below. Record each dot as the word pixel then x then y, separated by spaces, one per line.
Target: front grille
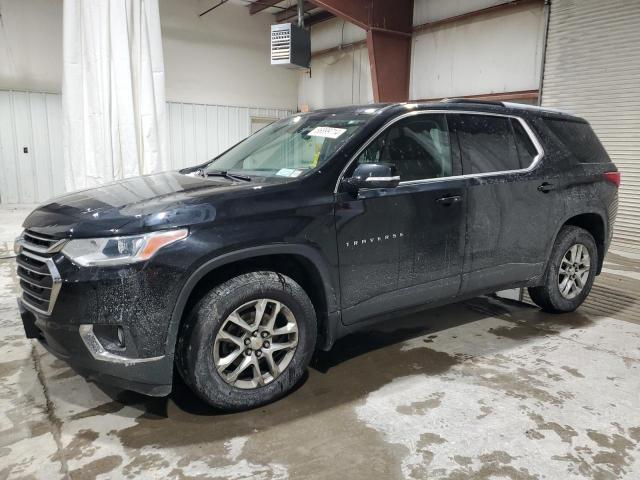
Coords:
pixel 39 277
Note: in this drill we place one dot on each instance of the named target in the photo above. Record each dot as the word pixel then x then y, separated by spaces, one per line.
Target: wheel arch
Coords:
pixel 595 224
pixel 302 263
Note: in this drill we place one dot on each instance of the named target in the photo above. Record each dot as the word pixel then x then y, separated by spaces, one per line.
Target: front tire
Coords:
pixel 570 273
pixel 248 341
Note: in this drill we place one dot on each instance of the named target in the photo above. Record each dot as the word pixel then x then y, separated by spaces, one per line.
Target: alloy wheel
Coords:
pixel 574 271
pixel 255 343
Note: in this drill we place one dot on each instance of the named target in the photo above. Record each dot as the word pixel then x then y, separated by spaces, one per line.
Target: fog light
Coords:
pixel 111 337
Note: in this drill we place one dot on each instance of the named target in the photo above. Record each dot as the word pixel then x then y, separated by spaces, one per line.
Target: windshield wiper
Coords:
pixel 225 174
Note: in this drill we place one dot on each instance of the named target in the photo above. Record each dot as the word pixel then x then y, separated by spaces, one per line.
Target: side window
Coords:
pixel 418 146
pixel 526 150
pixel 487 143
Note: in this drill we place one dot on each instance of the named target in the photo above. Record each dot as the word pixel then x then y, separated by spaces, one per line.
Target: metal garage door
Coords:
pixel 593 69
pixel 31 165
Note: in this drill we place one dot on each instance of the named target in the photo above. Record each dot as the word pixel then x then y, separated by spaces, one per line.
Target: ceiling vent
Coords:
pixel 290 46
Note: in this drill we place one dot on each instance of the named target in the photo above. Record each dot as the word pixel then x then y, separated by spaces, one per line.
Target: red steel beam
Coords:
pixel 389 26
pixel 390 60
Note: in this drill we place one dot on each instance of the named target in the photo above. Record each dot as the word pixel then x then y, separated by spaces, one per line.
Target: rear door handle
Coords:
pixel 448 200
pixel 546 187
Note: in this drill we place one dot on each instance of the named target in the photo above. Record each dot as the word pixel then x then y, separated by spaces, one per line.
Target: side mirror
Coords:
pixel 372 175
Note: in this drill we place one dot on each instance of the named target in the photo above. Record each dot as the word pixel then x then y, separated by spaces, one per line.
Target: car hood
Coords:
pixel 135 205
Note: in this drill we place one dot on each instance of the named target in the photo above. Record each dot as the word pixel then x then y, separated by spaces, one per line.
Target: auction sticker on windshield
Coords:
pixel 288 172
pixel 328 132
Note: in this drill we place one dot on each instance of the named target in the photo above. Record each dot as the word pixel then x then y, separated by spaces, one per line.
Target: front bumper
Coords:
pixel 150 376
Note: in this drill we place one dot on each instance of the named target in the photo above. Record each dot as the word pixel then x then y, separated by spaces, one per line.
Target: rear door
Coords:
pixel 509 209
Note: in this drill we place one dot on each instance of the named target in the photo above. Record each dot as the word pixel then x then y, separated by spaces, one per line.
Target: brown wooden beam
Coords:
pixel 260 5
pixel 319 17
pixel 291 12
pixel 389 26
pixel 503 96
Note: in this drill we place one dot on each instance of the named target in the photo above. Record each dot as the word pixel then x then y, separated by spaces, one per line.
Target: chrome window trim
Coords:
pixel 525 125
pixel 55 287
pixel 381 179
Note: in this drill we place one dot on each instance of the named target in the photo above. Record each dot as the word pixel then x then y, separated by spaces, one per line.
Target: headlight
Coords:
pixel 119 250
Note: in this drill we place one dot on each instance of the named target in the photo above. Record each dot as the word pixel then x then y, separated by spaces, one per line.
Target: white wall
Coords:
pixel 222 57
pixel 425 11
pixel 218 77
pixel 338 78
pixel 334 32
pixel 31 45
pixel 492 53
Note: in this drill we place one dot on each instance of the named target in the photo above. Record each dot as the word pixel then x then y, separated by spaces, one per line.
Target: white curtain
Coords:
pixel 112 91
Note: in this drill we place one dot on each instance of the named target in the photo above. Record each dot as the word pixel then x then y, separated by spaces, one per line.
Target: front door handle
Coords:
pixel 448 200
pixel 546 187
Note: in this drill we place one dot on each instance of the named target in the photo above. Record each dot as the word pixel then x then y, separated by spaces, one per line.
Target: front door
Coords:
pixel 402 247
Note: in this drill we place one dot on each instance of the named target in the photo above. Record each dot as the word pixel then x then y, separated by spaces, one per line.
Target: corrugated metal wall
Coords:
pixel 34 121
pixel 337 79
pixel 200 132
pixel 31 121
pixel 593 69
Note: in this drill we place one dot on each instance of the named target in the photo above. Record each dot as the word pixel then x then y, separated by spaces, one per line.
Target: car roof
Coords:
pixel 454 104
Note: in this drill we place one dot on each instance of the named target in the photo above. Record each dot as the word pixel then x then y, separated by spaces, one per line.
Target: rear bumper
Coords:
pixel 150 376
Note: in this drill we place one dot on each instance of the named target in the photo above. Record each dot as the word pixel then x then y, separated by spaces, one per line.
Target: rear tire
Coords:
pixel 248 341
pixel 570 272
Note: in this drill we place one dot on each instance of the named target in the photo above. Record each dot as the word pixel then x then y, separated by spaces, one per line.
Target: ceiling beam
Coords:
pixel 292 12
pixel 389 26
pixel 319 17
pixel 260 5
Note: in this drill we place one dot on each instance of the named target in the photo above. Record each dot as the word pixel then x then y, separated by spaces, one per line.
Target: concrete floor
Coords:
pixel 485 389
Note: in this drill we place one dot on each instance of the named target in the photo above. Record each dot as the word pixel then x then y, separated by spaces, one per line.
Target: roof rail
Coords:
pixel 473 100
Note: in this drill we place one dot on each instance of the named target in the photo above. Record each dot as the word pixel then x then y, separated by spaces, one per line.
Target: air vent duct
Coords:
pixel 290 46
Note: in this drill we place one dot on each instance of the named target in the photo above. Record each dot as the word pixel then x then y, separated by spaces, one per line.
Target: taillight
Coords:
pixel 613 177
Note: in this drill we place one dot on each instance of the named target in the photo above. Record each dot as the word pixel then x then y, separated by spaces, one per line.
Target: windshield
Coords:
pixel 290 147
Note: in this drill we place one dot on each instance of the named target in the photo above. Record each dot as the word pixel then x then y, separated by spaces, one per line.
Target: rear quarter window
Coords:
pixel 579 139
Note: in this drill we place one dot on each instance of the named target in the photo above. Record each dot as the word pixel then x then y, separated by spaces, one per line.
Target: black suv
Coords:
pixel 236 270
